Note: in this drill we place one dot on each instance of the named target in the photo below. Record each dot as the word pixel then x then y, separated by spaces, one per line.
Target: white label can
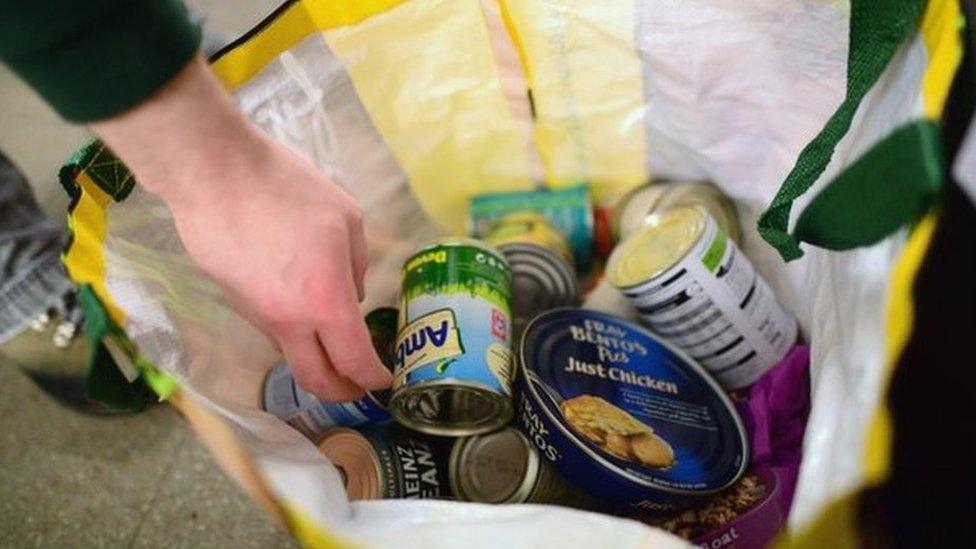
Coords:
pixel 693 286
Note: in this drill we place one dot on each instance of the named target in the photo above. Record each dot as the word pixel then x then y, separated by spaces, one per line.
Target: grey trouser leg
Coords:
pixel 32 279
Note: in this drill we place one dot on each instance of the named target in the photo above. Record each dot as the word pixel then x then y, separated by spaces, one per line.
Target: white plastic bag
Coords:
pixel 416 105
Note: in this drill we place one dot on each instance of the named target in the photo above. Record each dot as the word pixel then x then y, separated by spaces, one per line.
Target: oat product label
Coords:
pixel 306 413
pixel 625 416
pixel 710 302
pixel 455 318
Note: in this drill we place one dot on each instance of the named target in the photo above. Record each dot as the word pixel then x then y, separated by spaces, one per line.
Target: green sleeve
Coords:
pixel 92 59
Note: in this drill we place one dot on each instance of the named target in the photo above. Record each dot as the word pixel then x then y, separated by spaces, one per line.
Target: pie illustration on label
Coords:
pixel 617 432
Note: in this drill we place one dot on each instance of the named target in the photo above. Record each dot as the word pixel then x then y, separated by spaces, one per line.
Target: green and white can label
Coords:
pixel 710 302
pixel 455 328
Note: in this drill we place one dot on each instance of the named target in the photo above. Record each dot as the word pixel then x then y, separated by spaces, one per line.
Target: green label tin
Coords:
pixel 453 365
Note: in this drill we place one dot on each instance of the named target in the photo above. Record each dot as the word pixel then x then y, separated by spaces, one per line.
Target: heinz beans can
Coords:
pixel 453 373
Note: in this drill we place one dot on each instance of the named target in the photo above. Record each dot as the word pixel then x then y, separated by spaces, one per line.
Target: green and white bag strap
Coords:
pixel 898 178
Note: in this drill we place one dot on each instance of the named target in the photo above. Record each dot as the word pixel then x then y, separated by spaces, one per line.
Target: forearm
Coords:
pixel 182 137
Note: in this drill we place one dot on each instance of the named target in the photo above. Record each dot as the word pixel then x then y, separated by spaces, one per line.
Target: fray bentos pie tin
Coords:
pixel 624 415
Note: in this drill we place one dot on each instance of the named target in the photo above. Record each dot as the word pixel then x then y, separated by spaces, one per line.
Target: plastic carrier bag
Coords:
pixel 415 106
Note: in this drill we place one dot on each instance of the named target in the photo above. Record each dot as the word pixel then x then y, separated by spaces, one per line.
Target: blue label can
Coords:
pixel 453 374
pixel 311 416
pixel 625 416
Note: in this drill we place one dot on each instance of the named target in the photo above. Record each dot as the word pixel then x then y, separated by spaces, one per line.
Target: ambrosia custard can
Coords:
pixel 311 416
pixel 692 285
pixel 389 462
pixel 624 415
pixel 453 374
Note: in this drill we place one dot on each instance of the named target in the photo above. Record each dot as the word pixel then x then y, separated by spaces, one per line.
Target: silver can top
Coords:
pixel 500 467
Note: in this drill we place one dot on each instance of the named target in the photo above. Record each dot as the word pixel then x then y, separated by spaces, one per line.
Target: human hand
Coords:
pixel 284 242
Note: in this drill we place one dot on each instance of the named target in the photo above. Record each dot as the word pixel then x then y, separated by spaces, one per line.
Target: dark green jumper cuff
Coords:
pixel 114 63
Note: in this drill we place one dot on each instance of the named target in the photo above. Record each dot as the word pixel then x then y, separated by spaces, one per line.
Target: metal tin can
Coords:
pixel 693 286
pixel 504 467
pixel 453 372
pixel 529 228
pixel 624 415
pixel 541 281
pixel 632 211
pixel 311 416
pixel 389 462
pixel 569 209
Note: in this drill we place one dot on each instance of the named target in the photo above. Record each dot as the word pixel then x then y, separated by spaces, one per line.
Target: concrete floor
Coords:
pixel 69 479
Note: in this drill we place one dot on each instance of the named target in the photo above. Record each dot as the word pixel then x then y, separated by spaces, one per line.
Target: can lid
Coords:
pixel 637 407
pixel 451 408
pixel 500 467
pixel 632 209
pixel 356 460
pixel 665 240
pixel 541 280
pixel 529 227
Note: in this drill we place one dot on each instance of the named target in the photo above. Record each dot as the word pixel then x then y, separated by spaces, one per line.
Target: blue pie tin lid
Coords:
pixel 625 415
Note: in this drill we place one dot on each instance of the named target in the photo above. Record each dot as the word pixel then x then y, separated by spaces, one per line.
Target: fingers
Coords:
pixel 360 258
pixel 344 334
pixel 314 372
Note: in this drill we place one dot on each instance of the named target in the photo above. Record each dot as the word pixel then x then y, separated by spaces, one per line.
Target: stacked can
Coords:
pixel 633 210
pixel 391 462
pixel 692 285
pixel 541 265
pixel 311 416
pixel 453 374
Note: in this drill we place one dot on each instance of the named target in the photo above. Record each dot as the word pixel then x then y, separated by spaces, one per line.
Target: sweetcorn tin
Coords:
pixel 453 372
pixel 632 211
pixel 569 209
pixel 529 228
pixel 311 416
pixel 624 415
pixel 504 467
pixel 692 285
pixel 389 462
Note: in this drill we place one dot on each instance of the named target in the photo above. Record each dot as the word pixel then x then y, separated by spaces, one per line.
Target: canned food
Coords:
pixel 453 372
pixel 603 231
pixel 541 281
pixel 749 514
pixel 504 467
pixel 389 462
pixel 624 415
pixel 693 286
pixel 568 209
pixel 311 416
pixel 529 228
pixel 633 210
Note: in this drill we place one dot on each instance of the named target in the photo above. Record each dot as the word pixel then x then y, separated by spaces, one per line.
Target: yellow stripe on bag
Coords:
pixel 586 82
pixel 288 28
pixel 85 258
pixel 898 327
pixel 940 30
pixel 426 74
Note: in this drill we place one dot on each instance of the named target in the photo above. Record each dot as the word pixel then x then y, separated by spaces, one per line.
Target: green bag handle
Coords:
pixel 890 186
pixel 878 29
